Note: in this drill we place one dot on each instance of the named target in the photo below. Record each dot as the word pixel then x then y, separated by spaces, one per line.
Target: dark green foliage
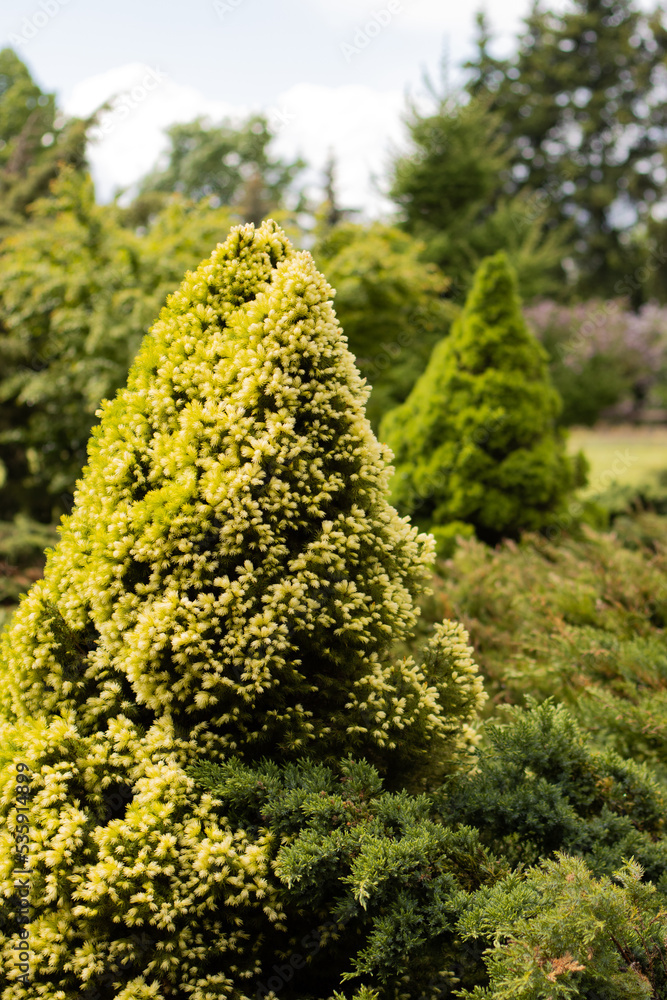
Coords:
pixel 22 545
pixel 376 891
pixel 476 441
pixel 451 188
pixel 390 304
pixel 36 141
pixel 539 787
pixel 581 107
pixel 380 884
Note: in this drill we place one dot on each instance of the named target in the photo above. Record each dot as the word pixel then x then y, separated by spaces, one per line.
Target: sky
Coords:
pixel 332 75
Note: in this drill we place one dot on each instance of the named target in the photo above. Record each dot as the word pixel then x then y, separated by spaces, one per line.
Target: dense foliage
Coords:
pixel 408 900
pixel 390 303
pixel 450 189
pixel 581 109
pixel 36 141
pixel 557 928
pixel 540 787
pixel 76 290
pixel 231 583
pixel 476 444
pixel 581 619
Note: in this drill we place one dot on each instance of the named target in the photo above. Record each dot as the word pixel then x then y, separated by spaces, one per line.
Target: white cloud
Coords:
pixel 357 122
pixel 132 136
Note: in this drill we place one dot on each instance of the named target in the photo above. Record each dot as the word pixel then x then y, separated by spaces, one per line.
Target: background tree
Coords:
pixel 581 105
pixel 452 187
pixel 230 163
pixel 390 302
pixel 331 213
pixel 76 290
pixel 36 140
pixel 476 444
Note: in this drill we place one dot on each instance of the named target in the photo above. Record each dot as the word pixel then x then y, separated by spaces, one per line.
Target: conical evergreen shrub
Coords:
pixel 476 444
pixel 230 584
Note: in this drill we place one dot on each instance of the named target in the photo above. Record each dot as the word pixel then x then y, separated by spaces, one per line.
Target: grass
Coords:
pixel 625 454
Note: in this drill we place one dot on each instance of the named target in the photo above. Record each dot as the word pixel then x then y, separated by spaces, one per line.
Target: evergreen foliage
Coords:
pixel 76 289
pixel 232 582
pixel 561 933
pixel 579 102
pixel 404 902
pixel 451 189
pixel 36 141
pixel 390 303
pixel 539 787
pixel 382 883
pixel 581 619
pixel 476 442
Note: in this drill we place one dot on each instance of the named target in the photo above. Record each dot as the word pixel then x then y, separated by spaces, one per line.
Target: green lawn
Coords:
pixel 625 454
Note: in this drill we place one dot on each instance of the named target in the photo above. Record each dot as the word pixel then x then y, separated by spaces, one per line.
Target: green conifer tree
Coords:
pixel 230 583
pixel 476 444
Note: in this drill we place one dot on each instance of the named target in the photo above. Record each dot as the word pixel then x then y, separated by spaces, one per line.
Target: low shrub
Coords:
pixel 558 932
pixel 581 619
pixel 540 787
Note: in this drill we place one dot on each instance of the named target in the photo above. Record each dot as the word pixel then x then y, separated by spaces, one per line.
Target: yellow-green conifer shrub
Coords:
pixel 477 445
pixel 231 582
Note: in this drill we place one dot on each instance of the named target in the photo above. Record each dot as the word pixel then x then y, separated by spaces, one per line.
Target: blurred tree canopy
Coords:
pixel 581 103
pixel 229 163
pixel 35 141
pixel 452 187
pixel 390 302
pixel 78 290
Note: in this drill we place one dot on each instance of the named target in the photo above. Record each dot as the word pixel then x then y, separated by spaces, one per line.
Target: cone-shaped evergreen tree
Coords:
pixel 476 444
pixel 230 582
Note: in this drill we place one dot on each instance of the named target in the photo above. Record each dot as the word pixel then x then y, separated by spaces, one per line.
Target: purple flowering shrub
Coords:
pixel 606 361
